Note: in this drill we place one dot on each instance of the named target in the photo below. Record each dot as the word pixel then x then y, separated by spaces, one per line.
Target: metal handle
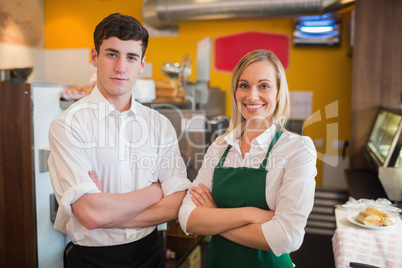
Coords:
pixel 43 156
pixel 361 265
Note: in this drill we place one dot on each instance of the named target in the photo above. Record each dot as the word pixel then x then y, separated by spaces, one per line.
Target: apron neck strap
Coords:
pixel 264 162
pixel 274 140
pixel 223 158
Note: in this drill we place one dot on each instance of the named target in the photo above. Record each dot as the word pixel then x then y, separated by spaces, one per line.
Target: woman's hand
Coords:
pixel 259 216
pixel 96 180
pixel 202 197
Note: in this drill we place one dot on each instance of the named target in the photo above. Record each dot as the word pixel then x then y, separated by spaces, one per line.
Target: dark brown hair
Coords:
pixel 123 27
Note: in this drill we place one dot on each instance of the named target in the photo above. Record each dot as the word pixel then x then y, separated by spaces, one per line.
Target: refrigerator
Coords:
pixel 27 236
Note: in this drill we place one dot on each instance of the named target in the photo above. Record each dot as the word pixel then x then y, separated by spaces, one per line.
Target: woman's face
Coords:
pixel 256 91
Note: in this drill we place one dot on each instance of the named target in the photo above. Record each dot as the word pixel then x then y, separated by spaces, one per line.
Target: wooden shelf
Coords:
pixel 181 244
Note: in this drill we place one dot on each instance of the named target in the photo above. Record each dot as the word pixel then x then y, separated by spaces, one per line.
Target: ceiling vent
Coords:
pixel 164 13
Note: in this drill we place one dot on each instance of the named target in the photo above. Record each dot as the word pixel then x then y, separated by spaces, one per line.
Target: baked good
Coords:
pixel 369 219
pixel 386 219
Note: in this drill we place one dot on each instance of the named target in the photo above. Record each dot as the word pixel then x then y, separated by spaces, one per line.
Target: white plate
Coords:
pixel 352 219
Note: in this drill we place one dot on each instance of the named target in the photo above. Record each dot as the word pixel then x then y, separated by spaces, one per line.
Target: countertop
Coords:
pixel 351 243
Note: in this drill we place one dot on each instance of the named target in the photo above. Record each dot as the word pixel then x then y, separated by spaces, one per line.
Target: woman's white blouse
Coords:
pixel 290 183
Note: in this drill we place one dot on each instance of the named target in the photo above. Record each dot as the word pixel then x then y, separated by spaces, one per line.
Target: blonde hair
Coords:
pixel 282 109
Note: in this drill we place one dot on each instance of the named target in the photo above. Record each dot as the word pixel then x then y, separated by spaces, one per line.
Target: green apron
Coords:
pixel 240 187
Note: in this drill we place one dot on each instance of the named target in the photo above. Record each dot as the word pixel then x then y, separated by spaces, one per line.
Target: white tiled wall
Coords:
pixel 65 66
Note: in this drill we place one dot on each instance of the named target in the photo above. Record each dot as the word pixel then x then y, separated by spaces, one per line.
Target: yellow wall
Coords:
pixel 326 71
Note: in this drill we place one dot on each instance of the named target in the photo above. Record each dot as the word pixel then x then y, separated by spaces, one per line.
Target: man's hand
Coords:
pixel 96 180
pixel 158 188
pixel 94 177
pixel 113 210
pixel 202 197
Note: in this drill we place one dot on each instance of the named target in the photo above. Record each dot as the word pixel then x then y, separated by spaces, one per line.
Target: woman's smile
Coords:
pixel 253 107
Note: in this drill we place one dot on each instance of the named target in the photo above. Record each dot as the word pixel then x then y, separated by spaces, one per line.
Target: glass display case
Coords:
pixel 383 151
pixel 384 144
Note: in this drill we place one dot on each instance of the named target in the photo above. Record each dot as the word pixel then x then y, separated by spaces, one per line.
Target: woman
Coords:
pixel 256 186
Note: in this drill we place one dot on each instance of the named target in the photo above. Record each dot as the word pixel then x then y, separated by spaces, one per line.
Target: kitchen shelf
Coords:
pixel 181 244
pixel 64 104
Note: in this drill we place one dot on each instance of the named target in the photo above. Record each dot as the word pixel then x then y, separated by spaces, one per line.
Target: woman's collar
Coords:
pixel 234 136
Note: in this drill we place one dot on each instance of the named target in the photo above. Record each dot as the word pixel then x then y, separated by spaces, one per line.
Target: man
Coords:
pixel 115 165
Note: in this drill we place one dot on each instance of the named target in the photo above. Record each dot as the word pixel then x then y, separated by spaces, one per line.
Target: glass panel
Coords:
pixel 398 163
pixel 383 134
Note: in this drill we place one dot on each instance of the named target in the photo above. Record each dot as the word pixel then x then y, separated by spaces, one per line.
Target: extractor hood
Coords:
pixel 164 13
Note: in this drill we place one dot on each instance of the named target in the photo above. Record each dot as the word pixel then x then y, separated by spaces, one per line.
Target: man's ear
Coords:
pixel 143 61
pixel 94 57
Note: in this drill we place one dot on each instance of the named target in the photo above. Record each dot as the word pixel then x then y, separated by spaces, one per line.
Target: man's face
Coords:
pixel 118 65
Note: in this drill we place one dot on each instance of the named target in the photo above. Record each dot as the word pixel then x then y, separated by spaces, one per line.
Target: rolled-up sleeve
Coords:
pixel 171 168
pixel 294 201
pixel 68 167
pixel 204 176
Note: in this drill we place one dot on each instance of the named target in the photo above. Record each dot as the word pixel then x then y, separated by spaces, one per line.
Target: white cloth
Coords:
pixel 290 183
pixel 374 246
pixel 128 151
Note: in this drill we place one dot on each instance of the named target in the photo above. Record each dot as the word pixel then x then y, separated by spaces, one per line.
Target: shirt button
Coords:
pixel 132 236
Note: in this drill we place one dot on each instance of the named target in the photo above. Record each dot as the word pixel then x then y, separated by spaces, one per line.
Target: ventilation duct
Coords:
pixel 164 13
